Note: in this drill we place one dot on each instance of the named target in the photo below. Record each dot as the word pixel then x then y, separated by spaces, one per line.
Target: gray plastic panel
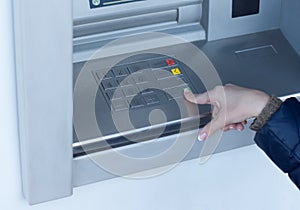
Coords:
pixel 43 46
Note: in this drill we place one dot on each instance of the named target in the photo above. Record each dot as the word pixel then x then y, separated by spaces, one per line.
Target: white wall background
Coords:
pixel 239 179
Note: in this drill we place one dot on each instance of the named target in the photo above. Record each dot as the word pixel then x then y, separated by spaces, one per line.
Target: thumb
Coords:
pixel 196 98
pixel 210 128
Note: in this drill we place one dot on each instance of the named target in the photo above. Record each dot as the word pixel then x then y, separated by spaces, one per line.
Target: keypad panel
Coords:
pixel 144 83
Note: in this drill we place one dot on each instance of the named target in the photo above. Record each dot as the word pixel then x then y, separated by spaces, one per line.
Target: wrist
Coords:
pixel 270 108
pixel 260 100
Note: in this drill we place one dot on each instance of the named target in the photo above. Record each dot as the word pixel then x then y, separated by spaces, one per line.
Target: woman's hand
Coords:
pixel 232 106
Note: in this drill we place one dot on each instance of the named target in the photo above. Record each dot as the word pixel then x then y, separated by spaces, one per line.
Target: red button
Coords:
pixel 170 62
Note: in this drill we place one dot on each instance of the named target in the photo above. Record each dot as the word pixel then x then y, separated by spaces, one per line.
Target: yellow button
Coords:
pixel 176 71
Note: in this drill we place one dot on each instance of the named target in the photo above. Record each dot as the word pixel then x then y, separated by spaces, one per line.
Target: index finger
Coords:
pixel 202 98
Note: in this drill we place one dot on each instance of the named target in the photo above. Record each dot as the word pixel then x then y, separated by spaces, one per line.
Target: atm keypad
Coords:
pixel 144 83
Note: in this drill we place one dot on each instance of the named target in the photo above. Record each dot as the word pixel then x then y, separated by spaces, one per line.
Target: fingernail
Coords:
pixel 187 90
pixel 202 137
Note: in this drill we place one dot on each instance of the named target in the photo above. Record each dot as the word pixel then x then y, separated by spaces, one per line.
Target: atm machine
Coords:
pixel 100 82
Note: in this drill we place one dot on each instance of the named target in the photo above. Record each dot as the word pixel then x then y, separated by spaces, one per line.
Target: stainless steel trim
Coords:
pixel 88 142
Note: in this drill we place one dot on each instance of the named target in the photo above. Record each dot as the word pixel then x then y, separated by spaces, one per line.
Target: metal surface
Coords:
pixel 44 86
pixel 178 113
pixel 86 171
pixel 43 46
pixel 148 133
pixel 270 64
pixel 93 28
pixel 222 25
pixel 275 72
